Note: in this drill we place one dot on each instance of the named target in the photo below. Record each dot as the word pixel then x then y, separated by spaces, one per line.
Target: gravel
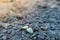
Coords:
pixel 44 22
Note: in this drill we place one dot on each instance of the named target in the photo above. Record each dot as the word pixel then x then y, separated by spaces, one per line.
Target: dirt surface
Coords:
pixel 45 22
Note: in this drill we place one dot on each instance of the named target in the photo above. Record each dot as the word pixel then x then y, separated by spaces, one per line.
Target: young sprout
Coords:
pixel 28 29
pixel 25 27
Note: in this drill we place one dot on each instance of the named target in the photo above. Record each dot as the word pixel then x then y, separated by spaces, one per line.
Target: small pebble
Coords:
pixel 4 37
pixel 4 31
